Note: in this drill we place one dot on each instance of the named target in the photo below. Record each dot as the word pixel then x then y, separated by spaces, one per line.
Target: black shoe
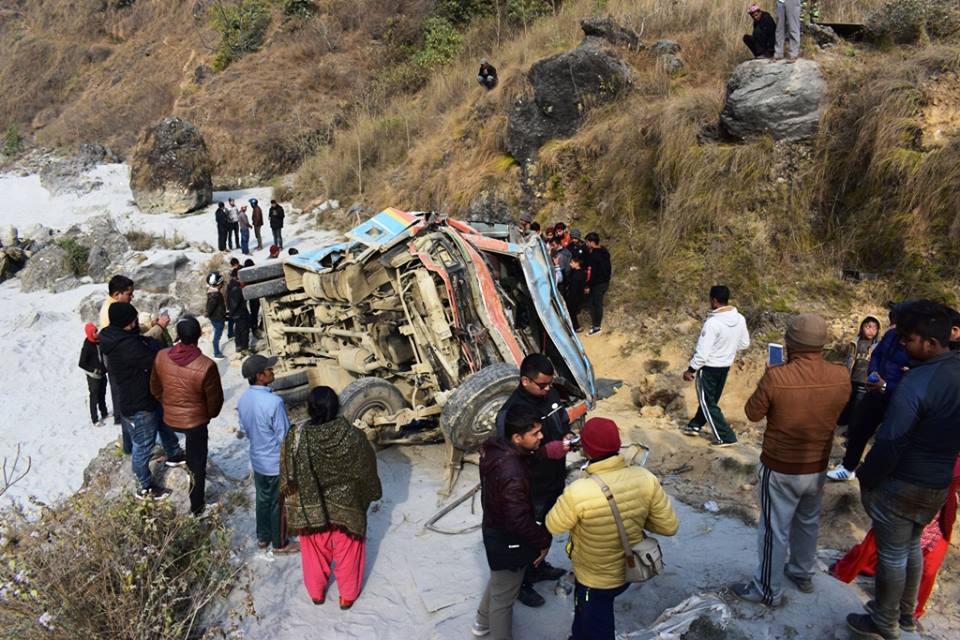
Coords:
pixel 863 626
pixel 907 622
pixel 803 584
pixel 177 461
pixel 546 571
pixel 530 597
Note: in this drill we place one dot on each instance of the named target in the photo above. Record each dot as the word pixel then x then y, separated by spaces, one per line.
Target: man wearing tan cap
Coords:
pixel 801 401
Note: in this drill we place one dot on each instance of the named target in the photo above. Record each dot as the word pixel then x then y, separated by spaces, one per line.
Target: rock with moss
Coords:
pixel 610 30
pixel 779 100
pixel 564 87
pixel 170 170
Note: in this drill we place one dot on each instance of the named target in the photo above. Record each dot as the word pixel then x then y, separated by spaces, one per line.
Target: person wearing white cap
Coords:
pixel 763 41
pixel 487 75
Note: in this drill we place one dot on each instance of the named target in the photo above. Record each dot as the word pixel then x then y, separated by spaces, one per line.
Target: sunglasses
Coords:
pixel 541 385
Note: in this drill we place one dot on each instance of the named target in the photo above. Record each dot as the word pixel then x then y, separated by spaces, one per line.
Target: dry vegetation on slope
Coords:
pixel 681 208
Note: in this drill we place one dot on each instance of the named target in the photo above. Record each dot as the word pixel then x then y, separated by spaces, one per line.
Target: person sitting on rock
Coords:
pixel 487 76
pixel 763 40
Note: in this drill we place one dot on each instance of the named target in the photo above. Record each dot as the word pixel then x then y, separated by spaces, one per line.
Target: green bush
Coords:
pixel 442 43
pixel 12 141
pixel 98 568
pixel 242 25
pixel 523 12
pixel 299 8
pixel 77 255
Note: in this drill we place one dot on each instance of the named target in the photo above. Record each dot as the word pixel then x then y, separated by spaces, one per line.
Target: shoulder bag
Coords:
pixel 642 561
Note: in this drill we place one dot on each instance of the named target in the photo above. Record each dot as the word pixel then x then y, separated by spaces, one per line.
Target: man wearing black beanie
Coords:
pixel 131 361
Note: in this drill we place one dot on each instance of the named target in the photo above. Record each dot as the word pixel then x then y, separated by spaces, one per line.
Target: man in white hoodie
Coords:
pixel 723 335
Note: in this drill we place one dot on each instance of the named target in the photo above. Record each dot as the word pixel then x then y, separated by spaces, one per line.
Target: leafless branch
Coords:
pixel 11 474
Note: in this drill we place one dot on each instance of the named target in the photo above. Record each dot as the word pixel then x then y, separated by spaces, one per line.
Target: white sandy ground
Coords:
pixel 418 584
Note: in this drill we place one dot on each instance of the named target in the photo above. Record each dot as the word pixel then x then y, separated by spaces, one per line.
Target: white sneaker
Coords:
pixel 841 474
pixel 479 630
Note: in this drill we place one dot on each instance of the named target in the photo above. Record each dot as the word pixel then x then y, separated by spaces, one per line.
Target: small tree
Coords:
pixel 12 141
pixel 242 25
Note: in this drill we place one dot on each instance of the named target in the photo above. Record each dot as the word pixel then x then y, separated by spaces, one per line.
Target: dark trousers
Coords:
pixel 595 302
pixel 222 238
pixel 234 235
pixel 270 525
pixel 196 446
pixel 755 48
pixel 256 233
pixel 900 511
pixel 866 419
pixel 241 331
pixel 709 385
pixel 277 236
pixel 593 612
pixel 574 305
pixel 254 316
pixel 857 392
pixel 540 509
pixel 98 397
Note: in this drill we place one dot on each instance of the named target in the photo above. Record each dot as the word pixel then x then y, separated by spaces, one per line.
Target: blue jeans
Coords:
pixel 245 241
pixel 146 427
pixel 593 612
pixel 217 332
pixel 899 511
pixel 277 236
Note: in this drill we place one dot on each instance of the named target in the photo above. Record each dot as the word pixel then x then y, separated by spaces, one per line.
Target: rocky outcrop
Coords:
pixel 157 272
pixel 44 268
pixel 563 88
pixel 489 207
pixel 779 100
pixel 608 29
pixel 107 247
pixel 170 170
pixel 71 175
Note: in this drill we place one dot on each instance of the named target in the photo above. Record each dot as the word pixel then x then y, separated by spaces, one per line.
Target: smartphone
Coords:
pixel 774 354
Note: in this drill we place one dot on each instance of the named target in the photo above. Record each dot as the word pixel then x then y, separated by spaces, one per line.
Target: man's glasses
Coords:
pixel 541 385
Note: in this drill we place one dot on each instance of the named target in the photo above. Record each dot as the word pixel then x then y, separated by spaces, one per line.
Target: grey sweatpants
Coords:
pixel 496 605
pixel 788 28
pixel 789 520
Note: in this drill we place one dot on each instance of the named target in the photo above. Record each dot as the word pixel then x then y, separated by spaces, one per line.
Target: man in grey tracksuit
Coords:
pixel 724 334
pixel 788 28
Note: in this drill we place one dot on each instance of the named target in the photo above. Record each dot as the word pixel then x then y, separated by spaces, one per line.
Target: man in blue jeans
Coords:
pixel 131 358
pixel 905 477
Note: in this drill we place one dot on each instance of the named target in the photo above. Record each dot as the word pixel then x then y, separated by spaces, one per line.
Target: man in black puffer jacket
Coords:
pixel 547 465
pixel 131 361
pixel 239 312
pixel 512 537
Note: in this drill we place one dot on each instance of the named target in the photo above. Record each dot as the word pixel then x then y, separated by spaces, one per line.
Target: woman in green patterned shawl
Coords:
pixel 328 477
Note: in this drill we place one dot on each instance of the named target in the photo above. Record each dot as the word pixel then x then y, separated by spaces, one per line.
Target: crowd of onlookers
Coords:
pixel 581 269
pixel 234 225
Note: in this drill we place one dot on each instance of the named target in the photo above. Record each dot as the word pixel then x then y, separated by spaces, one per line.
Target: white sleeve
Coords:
pixel 704 346
pixel 744 340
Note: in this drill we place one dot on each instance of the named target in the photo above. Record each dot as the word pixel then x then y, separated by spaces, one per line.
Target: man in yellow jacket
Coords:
pixel 595 548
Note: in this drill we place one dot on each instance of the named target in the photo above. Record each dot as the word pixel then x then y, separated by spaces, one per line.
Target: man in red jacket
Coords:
pixel 187 384
pixel 512 537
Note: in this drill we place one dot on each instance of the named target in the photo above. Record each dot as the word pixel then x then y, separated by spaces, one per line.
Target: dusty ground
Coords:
pixel 694 473
pixel 421 584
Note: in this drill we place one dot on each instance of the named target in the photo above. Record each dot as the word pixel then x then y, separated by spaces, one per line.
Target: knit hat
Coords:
pixel 806 332
pixel 91 330
pixel 575 233
pixel 600 437
pixel 753 8
pixel 121 314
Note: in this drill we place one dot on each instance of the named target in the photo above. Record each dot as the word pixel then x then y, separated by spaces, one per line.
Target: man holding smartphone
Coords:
pixel 724 334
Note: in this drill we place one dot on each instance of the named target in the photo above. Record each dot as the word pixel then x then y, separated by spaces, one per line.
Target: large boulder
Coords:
pixel 107 247
pixel 44 268
pixel 563 87
pixel 170 170
pixel 779 100
pixel 610 30
pixel 157 272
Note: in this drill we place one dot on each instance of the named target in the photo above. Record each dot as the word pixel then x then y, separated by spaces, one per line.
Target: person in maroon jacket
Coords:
pixel 512 538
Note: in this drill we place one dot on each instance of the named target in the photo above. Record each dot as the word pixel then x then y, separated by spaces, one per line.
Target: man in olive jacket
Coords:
pixel 801 401
pixel 187 384
pixel 595 547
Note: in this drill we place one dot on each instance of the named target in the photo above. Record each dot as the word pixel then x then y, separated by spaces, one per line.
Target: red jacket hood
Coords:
pixel 184 354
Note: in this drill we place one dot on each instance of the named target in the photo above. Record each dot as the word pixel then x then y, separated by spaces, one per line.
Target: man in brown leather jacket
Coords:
pixel 801 401
pixel 187 384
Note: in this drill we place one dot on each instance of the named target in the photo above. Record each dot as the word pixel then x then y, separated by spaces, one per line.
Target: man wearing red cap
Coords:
pixel 801 401
pixel 595 547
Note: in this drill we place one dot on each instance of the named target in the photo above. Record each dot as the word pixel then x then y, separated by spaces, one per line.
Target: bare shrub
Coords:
pixel 140 240
pixel 96 568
